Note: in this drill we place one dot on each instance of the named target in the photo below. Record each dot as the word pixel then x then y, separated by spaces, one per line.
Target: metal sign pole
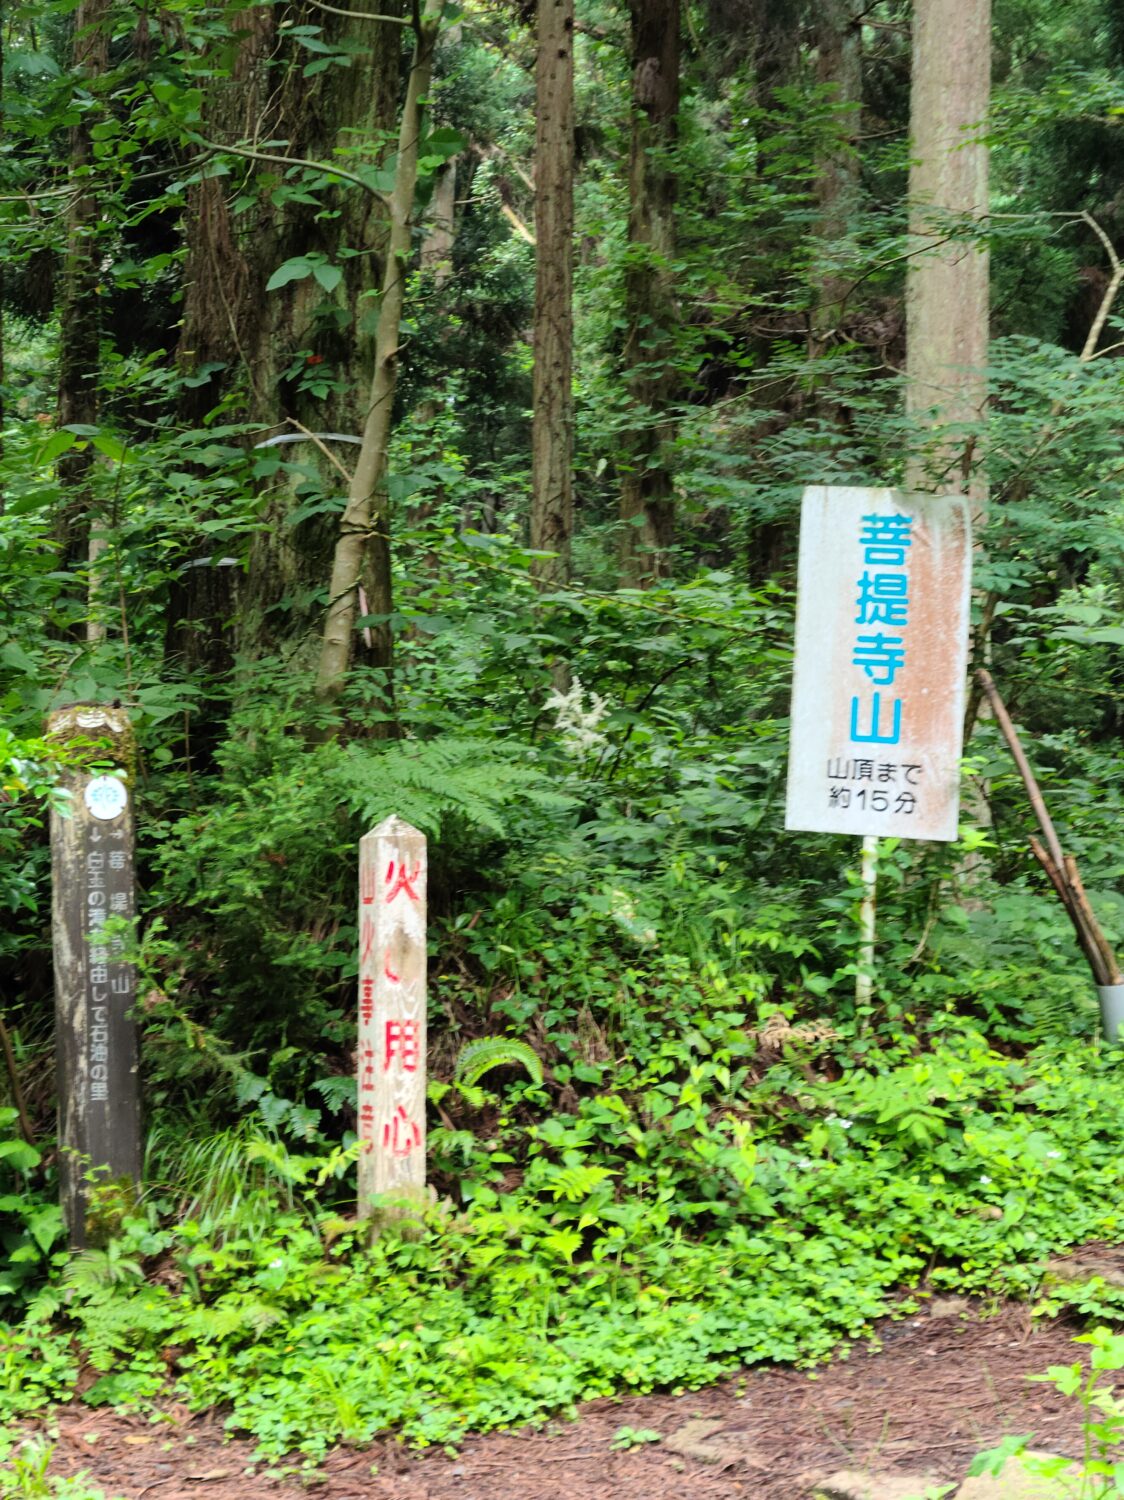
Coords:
pixel 864 978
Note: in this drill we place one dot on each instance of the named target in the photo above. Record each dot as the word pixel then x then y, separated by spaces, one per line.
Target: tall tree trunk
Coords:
pixel 440 229
pixel 365 522
pixel 80 321
pixel 268 343
pixel 647 496
pixel 947 301
pixel 775 26
pixel 552 424
pixel 2 412
pixel 839 73
pixel 437 247
pixel 947 279
pixel 224 300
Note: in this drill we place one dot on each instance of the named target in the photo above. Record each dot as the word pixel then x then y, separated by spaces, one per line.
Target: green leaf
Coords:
pixel 480 1057
pixel 20 1155
pixel 56 445
pixel 12 654
pixel 443 142
pixel 329 277
pixel 112 447
pixel 32 62
pixel 293 270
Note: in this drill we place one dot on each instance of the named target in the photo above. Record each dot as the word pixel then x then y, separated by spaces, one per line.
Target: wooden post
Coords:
pixel 96 1036
pixel 392 1019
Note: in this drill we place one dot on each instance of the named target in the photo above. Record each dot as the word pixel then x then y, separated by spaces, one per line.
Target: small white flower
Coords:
pixel 1053 1156
pixel 984 1181
pixel 804 1162
pixel 845 1124
pixel 275 1265
pixel 578 726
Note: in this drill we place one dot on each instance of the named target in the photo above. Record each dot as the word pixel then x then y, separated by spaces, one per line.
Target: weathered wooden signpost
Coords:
pixel 392 1019
pixel 879 678
pixel 96 1037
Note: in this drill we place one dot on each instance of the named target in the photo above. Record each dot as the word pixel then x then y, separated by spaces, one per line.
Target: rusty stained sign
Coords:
pixel 881 657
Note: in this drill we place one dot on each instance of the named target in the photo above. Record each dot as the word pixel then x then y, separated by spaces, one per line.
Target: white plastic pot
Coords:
pixel 1111 997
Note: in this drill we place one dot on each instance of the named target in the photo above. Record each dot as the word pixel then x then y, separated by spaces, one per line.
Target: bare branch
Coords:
pixel 1089 351
pixel 1113 258
pixel 293 161
pixel 361 15
pixel 324 449
pixel 516 223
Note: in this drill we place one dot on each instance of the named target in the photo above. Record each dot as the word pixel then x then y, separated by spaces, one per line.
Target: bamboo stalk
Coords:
pixel 1111 968
pixel 1057 880
pixel 1061 869
pixel 1003 719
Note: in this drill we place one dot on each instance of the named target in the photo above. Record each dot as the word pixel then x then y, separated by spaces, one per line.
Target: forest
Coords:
pixel 406 410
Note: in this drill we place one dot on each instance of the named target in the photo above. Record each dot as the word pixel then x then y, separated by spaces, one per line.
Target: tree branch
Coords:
pixel 1089 351
pixel 360 15
pixel 293 161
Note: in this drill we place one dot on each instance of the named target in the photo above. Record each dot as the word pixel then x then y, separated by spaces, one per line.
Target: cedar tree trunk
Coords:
pixel 272 346
pixel 647 496
pixel 80 309
pixel 552 425
pixel 947 280
pixel 838 69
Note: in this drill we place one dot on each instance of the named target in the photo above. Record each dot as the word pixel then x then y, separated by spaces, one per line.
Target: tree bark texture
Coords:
pixel 651 311
pixel 839 73
pixel 267 342
pixel 80 318
pixel 441 221
pixel 947 280
pixel 437 247
pixel 552 423
pixel 365 525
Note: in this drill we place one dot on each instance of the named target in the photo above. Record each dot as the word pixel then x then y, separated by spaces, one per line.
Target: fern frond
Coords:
pixel 426 782
pixel 1056 1014
pixel 480 1057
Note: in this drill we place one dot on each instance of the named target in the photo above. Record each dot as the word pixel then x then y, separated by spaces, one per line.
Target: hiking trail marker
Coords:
pixel 883 593
pixel 881 661
pixel 392 1018
pixel 95 990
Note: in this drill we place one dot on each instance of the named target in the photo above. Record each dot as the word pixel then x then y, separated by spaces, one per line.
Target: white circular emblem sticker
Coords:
pixel 106 797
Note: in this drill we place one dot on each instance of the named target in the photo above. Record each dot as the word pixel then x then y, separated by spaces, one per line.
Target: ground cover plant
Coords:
pixel 668 1135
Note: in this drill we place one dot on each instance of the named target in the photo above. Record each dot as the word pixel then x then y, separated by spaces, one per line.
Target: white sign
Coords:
pixel 392 1012
pixel 106 797
pixel 881 657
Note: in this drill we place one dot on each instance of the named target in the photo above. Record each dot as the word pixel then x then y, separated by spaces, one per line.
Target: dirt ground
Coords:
pixel 939 1389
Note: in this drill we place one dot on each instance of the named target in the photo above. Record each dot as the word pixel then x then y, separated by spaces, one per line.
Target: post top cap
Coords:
pixel 394 827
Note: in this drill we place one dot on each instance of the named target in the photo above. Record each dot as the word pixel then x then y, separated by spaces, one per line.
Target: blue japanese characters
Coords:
pixel 883 600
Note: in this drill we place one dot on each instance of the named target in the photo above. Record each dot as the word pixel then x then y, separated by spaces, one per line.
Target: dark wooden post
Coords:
pixel 96 1036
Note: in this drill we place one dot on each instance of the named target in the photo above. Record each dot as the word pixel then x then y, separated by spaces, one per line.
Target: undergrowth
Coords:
pixel 653 1239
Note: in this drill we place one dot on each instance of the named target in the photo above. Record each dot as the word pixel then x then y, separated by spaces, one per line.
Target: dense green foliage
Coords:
pixel 686 1148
